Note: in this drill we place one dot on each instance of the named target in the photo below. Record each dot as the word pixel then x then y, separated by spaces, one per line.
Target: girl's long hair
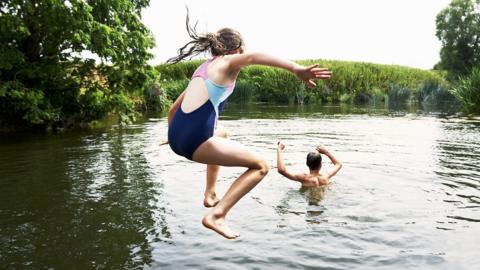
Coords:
pixel 223 42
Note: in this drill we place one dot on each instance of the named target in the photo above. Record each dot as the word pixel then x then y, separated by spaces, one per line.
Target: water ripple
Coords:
pixel 408 196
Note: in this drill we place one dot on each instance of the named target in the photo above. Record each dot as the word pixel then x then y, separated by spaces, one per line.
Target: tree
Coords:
pixel 48 75
pixel 458 28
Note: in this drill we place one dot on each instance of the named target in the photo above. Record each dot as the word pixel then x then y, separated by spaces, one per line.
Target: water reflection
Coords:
pixel 88 201
pixel 459 169
pixel 314 195
pixel 408 195
pixel 265 111
pixel 305 202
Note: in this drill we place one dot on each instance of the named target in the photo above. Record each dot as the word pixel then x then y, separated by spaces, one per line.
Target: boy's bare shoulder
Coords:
pixel 322 180
pixel 310 180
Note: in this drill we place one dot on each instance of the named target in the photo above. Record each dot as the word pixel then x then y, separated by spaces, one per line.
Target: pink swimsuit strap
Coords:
pixel 201 71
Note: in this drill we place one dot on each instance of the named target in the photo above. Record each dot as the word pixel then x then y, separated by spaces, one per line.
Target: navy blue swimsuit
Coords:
pixel 187 131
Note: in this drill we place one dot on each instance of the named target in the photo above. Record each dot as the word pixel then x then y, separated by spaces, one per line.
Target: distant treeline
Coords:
pixel 352 82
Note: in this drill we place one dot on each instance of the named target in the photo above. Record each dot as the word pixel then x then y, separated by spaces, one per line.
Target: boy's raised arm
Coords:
pixel 337 164
pixel 282 169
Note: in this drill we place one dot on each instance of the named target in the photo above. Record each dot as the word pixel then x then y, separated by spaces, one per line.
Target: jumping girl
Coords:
pixel 192 120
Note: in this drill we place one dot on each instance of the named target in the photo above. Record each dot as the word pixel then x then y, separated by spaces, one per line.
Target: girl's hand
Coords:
pixel 306 74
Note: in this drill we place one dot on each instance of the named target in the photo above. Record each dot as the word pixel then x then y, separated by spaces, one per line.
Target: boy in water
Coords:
pixel 314 163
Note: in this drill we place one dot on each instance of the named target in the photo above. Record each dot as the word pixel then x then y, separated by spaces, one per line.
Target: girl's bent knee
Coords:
pixel 263 167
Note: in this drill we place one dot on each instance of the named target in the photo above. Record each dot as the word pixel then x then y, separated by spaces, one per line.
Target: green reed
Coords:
pixel 467 90
pixel 352 82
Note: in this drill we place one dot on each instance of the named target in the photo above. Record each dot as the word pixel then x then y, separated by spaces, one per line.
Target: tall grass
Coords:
pixel 179 71
pixel 432 96
pixel 352 82
pixel 467 90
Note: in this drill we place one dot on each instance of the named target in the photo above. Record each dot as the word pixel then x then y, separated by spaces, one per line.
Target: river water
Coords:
pixel 408 196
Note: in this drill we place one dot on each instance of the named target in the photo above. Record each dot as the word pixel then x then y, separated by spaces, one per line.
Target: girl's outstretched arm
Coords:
pixel 306 74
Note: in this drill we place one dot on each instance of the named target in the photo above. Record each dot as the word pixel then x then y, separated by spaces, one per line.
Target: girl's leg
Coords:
pixel 220 151
pixel 211 199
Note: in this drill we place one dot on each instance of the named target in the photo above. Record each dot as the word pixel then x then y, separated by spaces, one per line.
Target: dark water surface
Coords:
pixel 408 196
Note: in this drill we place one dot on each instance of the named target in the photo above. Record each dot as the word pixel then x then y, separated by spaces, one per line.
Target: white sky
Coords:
pixel 400 32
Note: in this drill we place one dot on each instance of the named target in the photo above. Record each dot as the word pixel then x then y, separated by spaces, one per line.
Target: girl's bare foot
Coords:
pixel 210 200
pixel 219 225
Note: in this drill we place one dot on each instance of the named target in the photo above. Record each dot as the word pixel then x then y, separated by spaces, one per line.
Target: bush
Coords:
pixel 179 71
pixel 93 105
pixel 19 104
pixel 156 98
pixel 173 88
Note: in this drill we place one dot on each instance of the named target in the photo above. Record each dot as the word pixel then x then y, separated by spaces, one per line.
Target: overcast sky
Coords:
pixel 400 32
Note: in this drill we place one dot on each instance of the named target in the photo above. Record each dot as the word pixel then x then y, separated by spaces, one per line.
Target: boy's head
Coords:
pixel 314 160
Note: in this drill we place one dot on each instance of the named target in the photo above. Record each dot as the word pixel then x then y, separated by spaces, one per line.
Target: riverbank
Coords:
pixel 394 87
pixel 352 82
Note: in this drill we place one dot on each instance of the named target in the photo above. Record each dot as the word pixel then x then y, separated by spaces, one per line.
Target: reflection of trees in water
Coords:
pixel 459 168
pixel 96 207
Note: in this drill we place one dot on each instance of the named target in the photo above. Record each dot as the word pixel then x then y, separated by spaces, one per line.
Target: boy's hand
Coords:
pixel 280 146
pixel 321 149
pixel 306 74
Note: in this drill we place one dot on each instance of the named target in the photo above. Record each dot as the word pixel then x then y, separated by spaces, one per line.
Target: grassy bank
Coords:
pixel 352 82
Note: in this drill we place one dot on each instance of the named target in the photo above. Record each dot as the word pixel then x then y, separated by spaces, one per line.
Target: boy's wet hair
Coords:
pixel 314 160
